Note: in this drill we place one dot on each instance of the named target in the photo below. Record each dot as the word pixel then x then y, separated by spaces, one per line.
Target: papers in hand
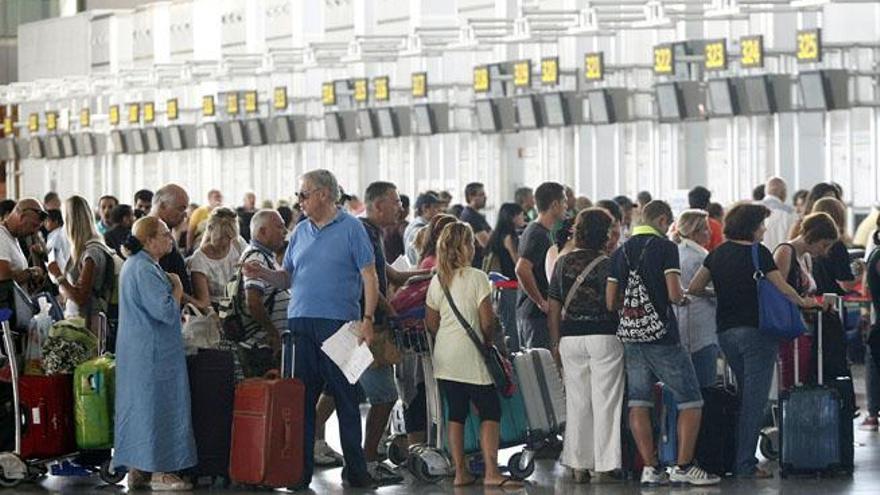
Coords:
pixel 401 264
pixel 343 349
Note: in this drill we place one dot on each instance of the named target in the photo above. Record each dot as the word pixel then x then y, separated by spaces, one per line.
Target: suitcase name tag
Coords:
pixel 35 416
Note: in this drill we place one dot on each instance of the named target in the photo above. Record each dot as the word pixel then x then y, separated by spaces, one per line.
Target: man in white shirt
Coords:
pixel 427 207
pixel 25 220
pixel 782 216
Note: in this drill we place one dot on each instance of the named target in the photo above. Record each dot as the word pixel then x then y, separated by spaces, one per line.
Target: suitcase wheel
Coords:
pixel 110 475
pixel 396 453
pixel 420 470
pixel 767 447
pixel 9 482
pixel 517 471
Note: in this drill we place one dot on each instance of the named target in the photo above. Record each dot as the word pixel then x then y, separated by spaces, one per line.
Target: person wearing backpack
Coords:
pixel 263 307
pixel 645 284
pixel 88 282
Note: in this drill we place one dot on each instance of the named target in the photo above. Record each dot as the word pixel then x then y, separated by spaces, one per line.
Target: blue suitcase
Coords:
pixel 813 426
pixel 666 425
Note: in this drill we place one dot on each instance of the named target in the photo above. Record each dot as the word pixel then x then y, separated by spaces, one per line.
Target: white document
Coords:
pixel 343 349
pixel 401 264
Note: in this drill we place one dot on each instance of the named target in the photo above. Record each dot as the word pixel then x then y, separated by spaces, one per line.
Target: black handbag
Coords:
pixel 496 362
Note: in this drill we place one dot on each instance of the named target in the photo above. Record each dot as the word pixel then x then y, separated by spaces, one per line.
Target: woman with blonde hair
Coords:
pixel 154 432
pixel 460 296
pixel 213 264
pixel 87 283
pixel 697 327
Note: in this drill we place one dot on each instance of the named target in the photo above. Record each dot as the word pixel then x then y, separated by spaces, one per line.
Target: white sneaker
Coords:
pixel 382 474
pixel 325 455
pixel 654 476
pixel 693 475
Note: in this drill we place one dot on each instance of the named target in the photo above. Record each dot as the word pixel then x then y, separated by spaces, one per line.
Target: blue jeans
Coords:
pixel 315 369
pixel 751 355
pixel 706 365
pixel 647 364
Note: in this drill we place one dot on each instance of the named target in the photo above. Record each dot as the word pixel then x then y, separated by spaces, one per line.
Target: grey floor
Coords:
pixel 550 478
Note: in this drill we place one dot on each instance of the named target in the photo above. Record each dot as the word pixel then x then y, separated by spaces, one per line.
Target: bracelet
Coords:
pixel 369 317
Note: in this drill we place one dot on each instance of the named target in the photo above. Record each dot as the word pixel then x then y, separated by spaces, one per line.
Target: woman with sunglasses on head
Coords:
pixel 87 284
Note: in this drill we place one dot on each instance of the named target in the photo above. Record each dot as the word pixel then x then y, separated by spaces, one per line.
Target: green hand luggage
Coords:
pixel 93 388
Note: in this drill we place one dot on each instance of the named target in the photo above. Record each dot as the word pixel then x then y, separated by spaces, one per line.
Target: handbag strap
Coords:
pixel 758 273
pixel 580 280
pixel 467 326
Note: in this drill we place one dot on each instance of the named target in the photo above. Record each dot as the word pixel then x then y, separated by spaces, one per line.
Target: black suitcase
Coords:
pixel 212 395
pixel 816 424
pixel 716 445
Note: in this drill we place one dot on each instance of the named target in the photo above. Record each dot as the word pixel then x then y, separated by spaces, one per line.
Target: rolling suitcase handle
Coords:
pixel 287 354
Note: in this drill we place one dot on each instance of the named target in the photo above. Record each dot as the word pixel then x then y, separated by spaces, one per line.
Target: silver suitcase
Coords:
pixel 542 390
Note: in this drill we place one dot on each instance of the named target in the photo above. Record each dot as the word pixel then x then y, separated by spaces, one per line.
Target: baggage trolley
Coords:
pixel 13 467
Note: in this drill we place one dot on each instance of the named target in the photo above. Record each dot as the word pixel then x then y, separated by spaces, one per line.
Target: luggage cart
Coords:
pixel 13 468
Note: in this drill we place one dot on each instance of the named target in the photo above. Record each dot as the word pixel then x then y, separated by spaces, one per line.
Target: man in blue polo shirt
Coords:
pixel 329 263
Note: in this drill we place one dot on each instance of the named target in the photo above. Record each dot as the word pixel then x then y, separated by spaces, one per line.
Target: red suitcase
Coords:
pixel 267 430
pixel 47 405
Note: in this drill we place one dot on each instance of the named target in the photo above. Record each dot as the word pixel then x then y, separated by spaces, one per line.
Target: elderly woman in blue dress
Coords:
pixel 153 423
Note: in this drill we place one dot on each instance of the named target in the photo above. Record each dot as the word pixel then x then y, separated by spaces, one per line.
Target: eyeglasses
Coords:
pixel 304 195
pixel 42 215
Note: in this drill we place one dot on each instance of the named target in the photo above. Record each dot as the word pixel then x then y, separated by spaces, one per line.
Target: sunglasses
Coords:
pixel 304 195
pixel 42 215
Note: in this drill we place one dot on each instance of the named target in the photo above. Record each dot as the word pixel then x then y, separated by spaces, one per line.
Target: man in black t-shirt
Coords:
pixel 652 350
pixel 531 304
pixel 475 196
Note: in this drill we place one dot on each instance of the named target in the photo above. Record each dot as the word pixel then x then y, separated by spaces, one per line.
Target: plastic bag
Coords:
pixel 38 332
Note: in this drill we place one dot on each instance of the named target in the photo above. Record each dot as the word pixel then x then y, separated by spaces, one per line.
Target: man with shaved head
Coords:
pixel 782 216
pixel 169 205
pixel 24 221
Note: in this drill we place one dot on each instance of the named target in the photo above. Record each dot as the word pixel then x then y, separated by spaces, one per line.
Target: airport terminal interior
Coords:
pixel 551 127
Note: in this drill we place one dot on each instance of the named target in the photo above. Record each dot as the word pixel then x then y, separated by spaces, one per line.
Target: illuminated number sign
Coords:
pixel 279 98
pixel 250 102
pixel 328 94
pixel 716 54
pixel 550 71
pixel 809 45
pixel 663 59
pixel 8 127
pixel 85 118
pixel 208 106
pixel 751 51
pixel 114 114
pixel 51 121
pixel 522 73
pixel 149 112
pixel 360 90
pixel 481 79
pixel 380 88
pixel 171 110
pixel 594 66
pixel 134 113
pixel 232 103
pixel 34 122
pixel 419 84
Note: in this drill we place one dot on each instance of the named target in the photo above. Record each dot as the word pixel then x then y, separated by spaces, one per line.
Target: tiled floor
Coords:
pixel 550 478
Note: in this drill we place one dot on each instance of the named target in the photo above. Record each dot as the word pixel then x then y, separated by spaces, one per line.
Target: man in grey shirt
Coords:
pixel 427 207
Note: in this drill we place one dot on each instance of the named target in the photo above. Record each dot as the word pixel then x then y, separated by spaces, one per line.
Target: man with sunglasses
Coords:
pixel 25 220
pixel 329 263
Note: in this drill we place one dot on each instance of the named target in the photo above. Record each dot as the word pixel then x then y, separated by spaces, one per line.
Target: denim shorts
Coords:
pixel 647 364
pixel 378 385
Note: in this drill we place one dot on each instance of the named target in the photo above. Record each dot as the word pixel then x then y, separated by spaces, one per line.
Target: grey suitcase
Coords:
pixel 542 390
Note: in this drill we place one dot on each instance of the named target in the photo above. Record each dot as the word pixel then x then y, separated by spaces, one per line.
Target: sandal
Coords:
pixel 471 482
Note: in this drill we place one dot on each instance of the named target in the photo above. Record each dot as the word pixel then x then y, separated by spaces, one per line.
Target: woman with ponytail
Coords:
pixel 153 419
pixel 458 364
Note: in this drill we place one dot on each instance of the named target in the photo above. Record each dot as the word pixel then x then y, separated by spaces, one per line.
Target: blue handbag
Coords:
pixel 777 315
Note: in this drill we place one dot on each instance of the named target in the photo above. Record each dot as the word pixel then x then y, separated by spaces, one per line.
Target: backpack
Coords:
pixel 639 320
pixel 231 310
pixel 107 298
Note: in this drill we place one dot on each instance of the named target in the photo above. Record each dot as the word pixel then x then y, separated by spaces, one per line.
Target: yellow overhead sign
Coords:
pixel 328 94
pixel 250 102
pixel 171 110
pixel 232 103
pixel 149 112
pixel 51 121
pixel 419 84
pixel 8 126
pixel 663 60
pixel 134 113
pixel 34 122
pixel 751 51
pixel 360 90
pixel 114 114
pixel 809 45
pixel 522 73
pixel 481 79
pixel 380 88
pixel 85 118
pixel 594 66
pixel 279 98
pixel 715 52
pixel 550 70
